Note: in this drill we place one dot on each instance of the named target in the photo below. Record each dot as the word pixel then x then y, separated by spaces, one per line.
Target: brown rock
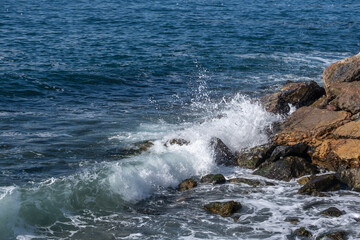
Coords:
pixel 346 70
pixel 323 183
pixel 348 130
pixel 308 123
pixel 251 182
pixel 252 158
pixel 346 96
pixel 303 180
pixel 302 232
pixel 351 177
pixel 320 103
pixel 224 209
pixel 187 184
pixel 177 141
pixel 333 153
pixel 213 179
pixel 332 212
pixel 275 104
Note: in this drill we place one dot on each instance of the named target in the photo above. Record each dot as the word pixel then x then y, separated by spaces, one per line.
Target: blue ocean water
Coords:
pixel 83 83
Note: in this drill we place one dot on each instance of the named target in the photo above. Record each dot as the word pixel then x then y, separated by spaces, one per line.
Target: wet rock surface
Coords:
pixel 187 184
pixel 251 182
pixel 318 184
pixel 351 177
pixel 213 179
pixel 253 157
pixel 224 209
pixel 340 235
pixel 221 153
pixel 302 232
pixel 177 141
pixel 332 212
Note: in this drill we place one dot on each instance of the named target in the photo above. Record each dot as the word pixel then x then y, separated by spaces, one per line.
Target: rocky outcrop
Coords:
pixel 341 81
pixel 221 153
pixel 297 94
pixel 224 209
pixel 252 158
pixel 323 183
pixel 332 212
pixel 187 184
pixel 213 179
pixel 351 177
pixel 308 124
pixel 286 168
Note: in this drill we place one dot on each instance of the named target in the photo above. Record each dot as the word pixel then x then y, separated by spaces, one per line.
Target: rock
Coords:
pixel 252 158
pixel 346 70
pixel 251 182
pixel 307 124
pixel 332 212
pixel 355 117
pixel 323 183
pixel 280 152
pixel 304 180
pixel 301 94
pixel 351 177
pixel 187 184
pixel 348 130
pixel 302 232
pixel 177 141
pixel 333 236
pixel 213 178
pixel 297 94
pixel 275 104
pixel 224 209
pixel 221 153
pixel 320 103
pixel 333 153
pixel 293 220
pixel 287 168
pixel 347 97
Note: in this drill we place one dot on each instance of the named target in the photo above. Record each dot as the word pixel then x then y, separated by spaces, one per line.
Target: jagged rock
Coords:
pixel 333 236
pixel 224 209
pixel 333 153
pixel 301 94
pixel 355 117
pixel 332 212
pixel 347 96
pixel 302 232
pixel 221 153
pixel 213 178
pixel 307 124
pixel 275 104
pixel 187 184
pixel 351 177
pixel 177 141
pixel 280 152
pixel 348 130
pixel 323 183
pixel 320 103
pixel 252 158
pixel 286 169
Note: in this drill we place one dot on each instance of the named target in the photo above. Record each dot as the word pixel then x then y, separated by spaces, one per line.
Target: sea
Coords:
pixel 85 85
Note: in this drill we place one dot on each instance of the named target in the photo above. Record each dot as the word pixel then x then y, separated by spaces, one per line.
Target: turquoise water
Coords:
pixel 83 83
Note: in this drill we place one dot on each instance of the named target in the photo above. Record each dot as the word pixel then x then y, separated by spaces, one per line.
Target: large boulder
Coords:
pixel 341 81
pixel 253 157
pixel 297 94
pixel 221 153
pixel 323 183
pixel 287 168
pixel 224 209
pixel 334 153
pixel 309 123
pixel 351 177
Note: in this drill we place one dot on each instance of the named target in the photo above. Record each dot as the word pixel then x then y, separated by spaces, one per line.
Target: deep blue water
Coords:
pixel 83 81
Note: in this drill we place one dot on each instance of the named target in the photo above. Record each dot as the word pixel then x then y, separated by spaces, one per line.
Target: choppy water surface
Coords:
pixel 83 83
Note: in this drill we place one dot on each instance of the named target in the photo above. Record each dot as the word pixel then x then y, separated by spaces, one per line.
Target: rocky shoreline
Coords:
pixel 318 143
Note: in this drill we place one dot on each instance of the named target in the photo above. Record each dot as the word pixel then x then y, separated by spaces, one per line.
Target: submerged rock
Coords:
pixel 302 232
pixel 351 177
pixel 323 183
pixel 251 182
pixel 308 124
pixel 177 141
pixel 287 168
pixel 213 178
pixel 222 154
pixel 224 209
pixel 252 158
pixel 187 184
pixel 293 220
pixel 304 180
pixel 340 235
pixel 332 212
